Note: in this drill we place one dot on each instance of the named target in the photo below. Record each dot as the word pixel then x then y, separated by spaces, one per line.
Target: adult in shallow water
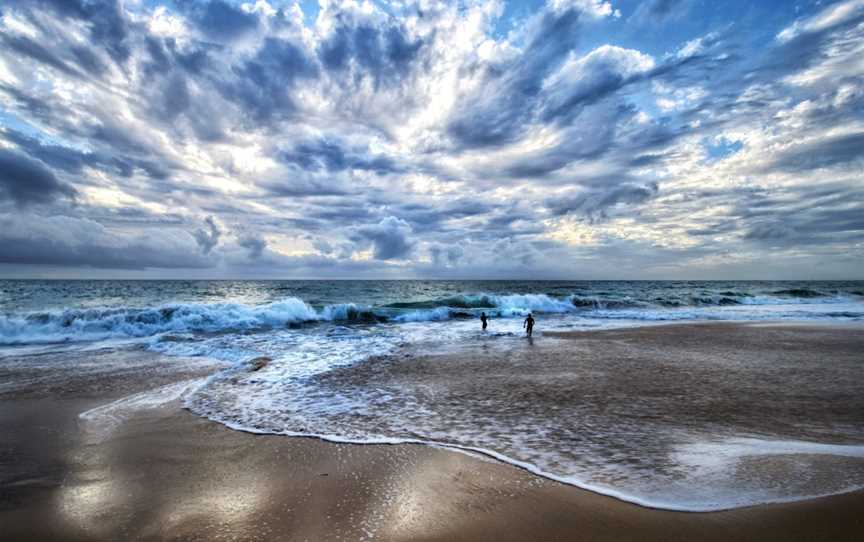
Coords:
pixel 484 320
pixel 528 324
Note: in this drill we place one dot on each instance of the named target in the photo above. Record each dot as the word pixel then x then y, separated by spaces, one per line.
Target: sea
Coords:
pixel 322 337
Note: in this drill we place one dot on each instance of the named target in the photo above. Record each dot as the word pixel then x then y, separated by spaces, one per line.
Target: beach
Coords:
pixel 163 473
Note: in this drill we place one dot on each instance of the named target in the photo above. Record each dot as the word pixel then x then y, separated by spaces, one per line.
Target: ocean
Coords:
pixel 323 336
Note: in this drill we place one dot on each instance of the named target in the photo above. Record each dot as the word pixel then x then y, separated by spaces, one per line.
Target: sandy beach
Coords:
pixel 166 474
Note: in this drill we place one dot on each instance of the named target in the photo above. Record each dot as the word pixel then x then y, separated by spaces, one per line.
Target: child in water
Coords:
pixel 483 319
pixel 528 324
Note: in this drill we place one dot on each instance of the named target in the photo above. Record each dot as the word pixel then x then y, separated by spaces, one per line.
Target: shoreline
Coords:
pixel 484 454
pixel 218 483
pixel 172 462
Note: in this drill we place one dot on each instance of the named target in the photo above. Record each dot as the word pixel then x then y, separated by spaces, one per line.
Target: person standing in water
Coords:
pixel 483 319
pixel 528 324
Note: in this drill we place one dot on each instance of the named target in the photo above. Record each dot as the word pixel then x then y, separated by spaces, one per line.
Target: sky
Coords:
pixel 568 139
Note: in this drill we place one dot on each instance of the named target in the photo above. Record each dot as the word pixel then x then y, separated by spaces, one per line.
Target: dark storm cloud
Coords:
pixel 254 244
pixel 118 137
pixel 328 154
pixel 207 237
pixel 424 216
pixel 727 226
pixel 341 212
pixel 303 189
pixel 498 112
pixel 27 47
pixel 56 156
pixel 135 255
pixel 131 216
pixel 827 152
pixel 384 52
pixel 769 231
pixel 588 99
pixel 802 215
pixel 26 181
pixel 390 238
pixel 28 239
pixel 219 20
pixel 73 161
pixel 171 73
pixel 263 84
pixel 87 59
pixel 646 160
pixel 446 254
pixel 163 54
pixel 234 96
pixel 595 204
pixel 108 26
pixel 175 98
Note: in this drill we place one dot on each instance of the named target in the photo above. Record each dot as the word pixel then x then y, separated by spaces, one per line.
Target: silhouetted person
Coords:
pixel 484 320
pixel 528 324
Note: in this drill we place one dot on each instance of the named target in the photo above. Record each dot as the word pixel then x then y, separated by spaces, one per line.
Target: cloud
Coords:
pixel 27 47
pixel 25 181
pixel 831 151
pixel 596 204
pixel 73 242
pixel 74 161
pixel 584 80
pixel 219 20
pixel 105 20
pixel 381 51
pixel 209 237
pixel 501 107
pixel 828 19
pixel 660 11
pixel 331 155
pixel 390 238
pixel 446 254
pixel 253 243
pixel 383 139
pixel 262 85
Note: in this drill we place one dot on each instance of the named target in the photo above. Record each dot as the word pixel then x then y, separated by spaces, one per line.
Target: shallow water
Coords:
pixel 680 428
pixel 678 434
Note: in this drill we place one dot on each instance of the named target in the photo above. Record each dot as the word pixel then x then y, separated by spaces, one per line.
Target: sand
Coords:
pixel 165 474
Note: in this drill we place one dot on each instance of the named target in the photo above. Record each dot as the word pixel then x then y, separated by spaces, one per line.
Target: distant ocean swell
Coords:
pixel 91 324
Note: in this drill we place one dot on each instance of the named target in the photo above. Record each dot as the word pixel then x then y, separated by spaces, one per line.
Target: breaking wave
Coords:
pixel 93 324
pixel 105 323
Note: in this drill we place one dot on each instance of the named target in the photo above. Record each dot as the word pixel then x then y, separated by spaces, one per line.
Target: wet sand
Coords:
pixel 166 474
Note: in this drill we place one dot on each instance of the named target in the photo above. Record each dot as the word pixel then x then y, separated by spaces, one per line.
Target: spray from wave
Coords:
pixel 94 324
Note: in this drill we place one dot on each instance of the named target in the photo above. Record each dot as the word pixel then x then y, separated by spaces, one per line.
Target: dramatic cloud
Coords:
pixel 65 241
pixel 254 244
pixel 25 181
pixel 389 238
pixel 208 237
pixel 581 138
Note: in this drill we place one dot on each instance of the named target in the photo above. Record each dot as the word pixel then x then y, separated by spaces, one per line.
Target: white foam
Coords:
pixel 279 400
pixel 97 324
pixel 101 421
pixel 690 498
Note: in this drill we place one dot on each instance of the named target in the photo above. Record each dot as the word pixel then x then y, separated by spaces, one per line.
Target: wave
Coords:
pixel 480 301
pixel 805 293
pixel 178 319
pixel 94 324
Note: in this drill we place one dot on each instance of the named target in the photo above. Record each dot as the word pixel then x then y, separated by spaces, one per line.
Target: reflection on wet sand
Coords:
pixel 165 474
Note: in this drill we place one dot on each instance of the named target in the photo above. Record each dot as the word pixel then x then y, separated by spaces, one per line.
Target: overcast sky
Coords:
pixel 567 139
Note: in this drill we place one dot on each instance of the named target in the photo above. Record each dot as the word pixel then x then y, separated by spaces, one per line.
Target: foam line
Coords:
pixel 775 446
